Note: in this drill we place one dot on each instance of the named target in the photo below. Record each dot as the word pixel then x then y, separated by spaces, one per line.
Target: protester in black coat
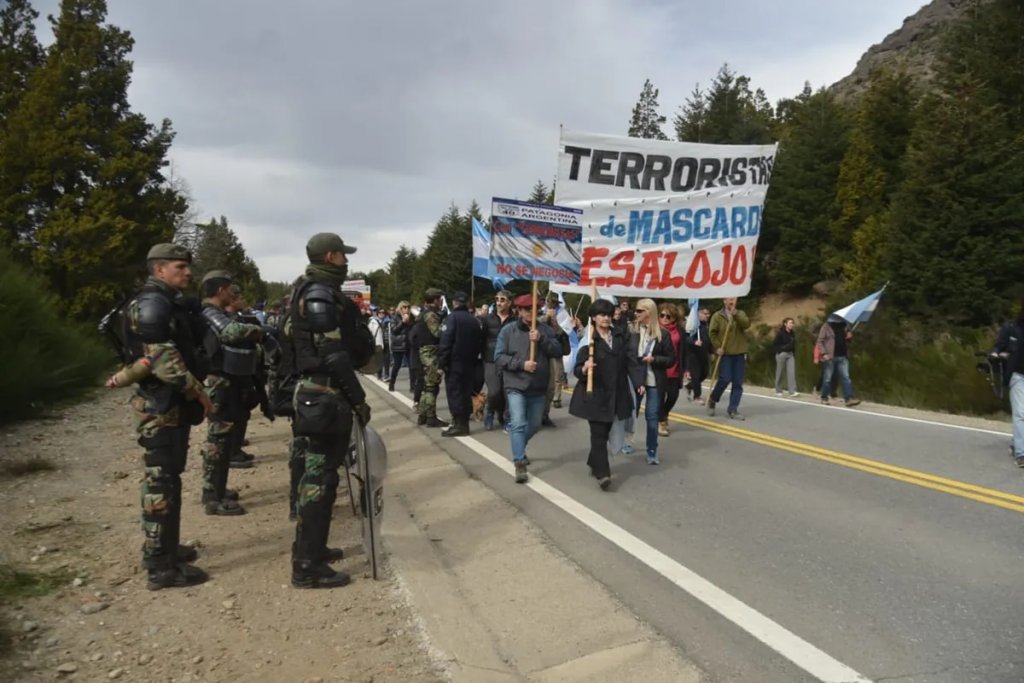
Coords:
pixel 458 356
pixel 612 397
pixel 401 325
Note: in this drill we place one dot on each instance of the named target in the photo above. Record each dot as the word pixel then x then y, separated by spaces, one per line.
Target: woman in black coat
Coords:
pixel 612 398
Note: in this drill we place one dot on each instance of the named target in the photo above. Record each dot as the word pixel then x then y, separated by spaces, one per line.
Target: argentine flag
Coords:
pixel 482 266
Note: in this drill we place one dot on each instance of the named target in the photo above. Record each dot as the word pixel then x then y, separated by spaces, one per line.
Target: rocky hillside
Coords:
pixel 912 45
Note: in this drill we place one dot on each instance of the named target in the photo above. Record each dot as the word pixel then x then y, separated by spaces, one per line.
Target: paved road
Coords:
pixel 893 546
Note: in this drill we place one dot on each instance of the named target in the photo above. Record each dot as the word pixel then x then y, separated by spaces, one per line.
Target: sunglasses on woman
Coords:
pixel 665 316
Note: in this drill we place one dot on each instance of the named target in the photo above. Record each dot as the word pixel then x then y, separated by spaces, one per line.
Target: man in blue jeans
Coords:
pixel 833 342
pixel 525 380
pixel 728 333
pixel 1010 346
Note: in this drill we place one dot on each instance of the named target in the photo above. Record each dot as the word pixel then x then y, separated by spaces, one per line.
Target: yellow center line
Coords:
pixel 953 487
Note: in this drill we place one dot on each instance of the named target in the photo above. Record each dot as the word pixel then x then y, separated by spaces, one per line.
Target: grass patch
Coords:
pixel 19 467
pixel 17 584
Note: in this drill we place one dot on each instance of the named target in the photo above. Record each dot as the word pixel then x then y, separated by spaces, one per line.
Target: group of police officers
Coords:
pixel 194 361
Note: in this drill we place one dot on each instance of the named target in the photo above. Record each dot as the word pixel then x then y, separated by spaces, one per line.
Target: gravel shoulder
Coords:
pixel 79 524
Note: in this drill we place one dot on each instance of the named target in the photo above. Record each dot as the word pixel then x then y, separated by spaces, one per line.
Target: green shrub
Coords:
pixel 896 363
pixel 45 358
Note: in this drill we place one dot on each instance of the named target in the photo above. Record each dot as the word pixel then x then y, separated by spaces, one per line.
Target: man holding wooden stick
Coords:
pixel 728 331
pixel 523 354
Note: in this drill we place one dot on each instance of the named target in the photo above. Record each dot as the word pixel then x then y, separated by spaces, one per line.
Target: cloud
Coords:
pixel 371 118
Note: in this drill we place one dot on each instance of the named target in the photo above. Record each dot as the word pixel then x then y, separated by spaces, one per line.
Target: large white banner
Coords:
pixel 674 220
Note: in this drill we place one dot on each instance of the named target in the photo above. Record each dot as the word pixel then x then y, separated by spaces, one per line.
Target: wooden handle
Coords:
pixel 593 335
pixel 533 324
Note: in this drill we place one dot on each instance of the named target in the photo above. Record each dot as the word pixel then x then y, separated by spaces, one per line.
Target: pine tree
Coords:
pixel 955 249
pixel 20 53
pixel 646 121
pixel 691 119
pixel 82 190
pixel 728 112
pixel 801 196
pixel 869 175
pixel 539 194
pixel 218 248
pixel 402 271
pixel 447 260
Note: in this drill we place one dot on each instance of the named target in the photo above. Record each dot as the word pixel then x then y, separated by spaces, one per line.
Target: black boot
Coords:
pixel 222 507
pixel 178 575
pixel 317 575
pixel 433 421
pixel 421 420
pixel 458 427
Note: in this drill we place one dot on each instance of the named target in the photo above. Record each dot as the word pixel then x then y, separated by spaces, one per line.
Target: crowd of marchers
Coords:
pixel 212 359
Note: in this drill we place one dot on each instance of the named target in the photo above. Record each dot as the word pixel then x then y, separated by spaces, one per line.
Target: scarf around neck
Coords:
pixel 325 272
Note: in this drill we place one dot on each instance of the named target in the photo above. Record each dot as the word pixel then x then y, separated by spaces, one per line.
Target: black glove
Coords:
pixel 362 412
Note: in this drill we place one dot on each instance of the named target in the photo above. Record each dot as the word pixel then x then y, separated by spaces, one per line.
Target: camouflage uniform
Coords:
pixel 227 393
pixel 428 361
pixel 164 408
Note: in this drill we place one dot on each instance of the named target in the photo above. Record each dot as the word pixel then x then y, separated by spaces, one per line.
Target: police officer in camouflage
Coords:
pixel 163 328
pixel 330 341
pixel 231 347
pixel 429 335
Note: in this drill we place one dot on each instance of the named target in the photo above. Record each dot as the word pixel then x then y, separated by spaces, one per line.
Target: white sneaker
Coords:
pixel 794 394
pixel 779 394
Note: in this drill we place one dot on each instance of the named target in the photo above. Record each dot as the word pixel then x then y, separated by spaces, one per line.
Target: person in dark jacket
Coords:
pixel 668 318
pixel 1010 347
pixel 652 347
pixel 401 324
pixel 698 351
pixel 612 398
pixel 493 324
pixel 458 355
pixel 525 380
pixel 784 347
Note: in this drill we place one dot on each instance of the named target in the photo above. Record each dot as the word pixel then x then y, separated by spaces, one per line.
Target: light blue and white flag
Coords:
pixel 482 266
pixel 692 319
pixel 860 311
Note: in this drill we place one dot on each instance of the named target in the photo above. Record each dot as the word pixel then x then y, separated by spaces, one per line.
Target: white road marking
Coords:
pixel 791 646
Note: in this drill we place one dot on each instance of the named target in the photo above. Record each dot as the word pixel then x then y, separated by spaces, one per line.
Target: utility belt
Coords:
pixel 320 409
pixel 238 361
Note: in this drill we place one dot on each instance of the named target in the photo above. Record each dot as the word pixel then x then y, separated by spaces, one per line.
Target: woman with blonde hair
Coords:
pixel 652 346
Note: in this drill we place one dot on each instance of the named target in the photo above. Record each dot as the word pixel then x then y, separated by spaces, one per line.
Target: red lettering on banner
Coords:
pixel 593 258
pixel 720 277
pixel 669 281
pixel 621 262
pixel 738 272
pixel 700 270
pixel 649 268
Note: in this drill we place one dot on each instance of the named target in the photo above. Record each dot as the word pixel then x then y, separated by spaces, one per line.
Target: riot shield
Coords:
pixel 371 466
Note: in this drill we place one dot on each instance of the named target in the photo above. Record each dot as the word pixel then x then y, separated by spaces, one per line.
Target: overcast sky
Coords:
pixel 370 118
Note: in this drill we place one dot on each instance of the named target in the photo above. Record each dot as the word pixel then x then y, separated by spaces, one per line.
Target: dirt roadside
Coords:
pixel 80 524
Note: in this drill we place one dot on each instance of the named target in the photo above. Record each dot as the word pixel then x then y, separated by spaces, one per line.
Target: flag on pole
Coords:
pixel 482 266
pixel 444 304
pixel 692 319
pixel 860 311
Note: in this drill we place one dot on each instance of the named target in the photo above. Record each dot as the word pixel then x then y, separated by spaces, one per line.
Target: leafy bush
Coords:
pixel 895 362
pixel 46 358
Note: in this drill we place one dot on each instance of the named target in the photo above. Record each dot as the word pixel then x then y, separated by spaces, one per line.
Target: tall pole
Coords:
pixel 533 324
pixel 593 335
